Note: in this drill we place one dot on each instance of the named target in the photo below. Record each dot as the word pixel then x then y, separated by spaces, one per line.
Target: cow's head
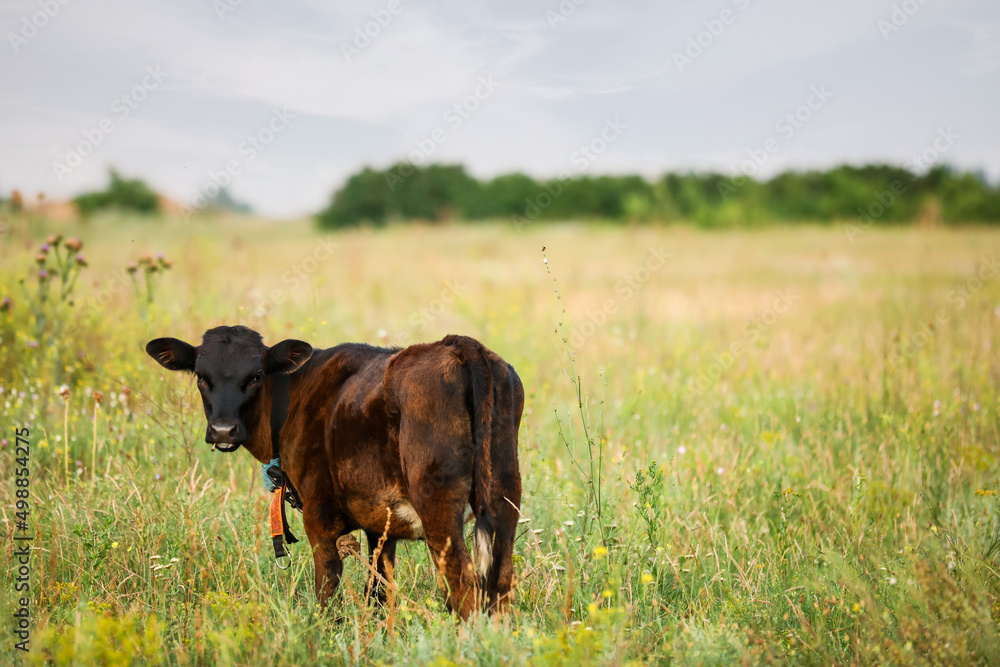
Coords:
pixel 231 364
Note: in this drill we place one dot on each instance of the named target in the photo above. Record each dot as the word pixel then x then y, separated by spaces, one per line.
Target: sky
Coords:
pixel 283 101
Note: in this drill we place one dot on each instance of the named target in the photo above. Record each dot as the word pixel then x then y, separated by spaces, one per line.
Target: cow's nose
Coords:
pixel 223 430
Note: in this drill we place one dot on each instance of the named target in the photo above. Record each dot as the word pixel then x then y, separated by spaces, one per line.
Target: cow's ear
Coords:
pixel 172 353
pixel 287 356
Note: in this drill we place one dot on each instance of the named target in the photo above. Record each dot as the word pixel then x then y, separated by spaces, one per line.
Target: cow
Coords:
pixel 396 442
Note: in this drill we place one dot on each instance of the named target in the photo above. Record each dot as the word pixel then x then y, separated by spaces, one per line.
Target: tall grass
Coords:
pixel 825 494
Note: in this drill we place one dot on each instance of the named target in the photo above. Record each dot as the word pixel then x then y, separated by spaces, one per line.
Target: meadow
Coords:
pixel 775 446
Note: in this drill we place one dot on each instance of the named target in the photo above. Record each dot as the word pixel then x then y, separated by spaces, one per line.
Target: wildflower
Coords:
pixel 40 258
pixel 53 239
pixel 32 344
pixel 80 260
pixel 114 545
pixel 5 304
pixel 98 397
pixel 74 244
pixel 44 248
pixel 720 470
pixel 681 449
pixel 131 267
pixel 647 578
pixel 43 275
pixel 568 523
pixel 63 392
pixel 892 581
pixel 600 551
pixel 606 594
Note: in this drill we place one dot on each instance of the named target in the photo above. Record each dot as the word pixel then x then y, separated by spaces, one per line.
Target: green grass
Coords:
pixel 826 494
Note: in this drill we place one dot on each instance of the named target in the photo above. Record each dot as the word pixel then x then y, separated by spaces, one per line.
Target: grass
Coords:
pixel 784 448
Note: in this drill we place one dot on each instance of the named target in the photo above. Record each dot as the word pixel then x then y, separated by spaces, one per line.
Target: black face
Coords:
pixel 231 366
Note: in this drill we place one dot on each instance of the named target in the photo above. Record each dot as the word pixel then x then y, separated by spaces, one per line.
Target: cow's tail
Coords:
pixel 481 416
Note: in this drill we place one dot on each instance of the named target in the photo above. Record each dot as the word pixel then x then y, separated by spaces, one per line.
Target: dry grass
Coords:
pixel 828 491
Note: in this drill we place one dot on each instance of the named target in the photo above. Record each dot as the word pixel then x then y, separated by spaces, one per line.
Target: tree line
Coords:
pixel 873 193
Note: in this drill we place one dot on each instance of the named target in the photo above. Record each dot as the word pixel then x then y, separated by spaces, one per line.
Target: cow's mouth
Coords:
pixel 225 446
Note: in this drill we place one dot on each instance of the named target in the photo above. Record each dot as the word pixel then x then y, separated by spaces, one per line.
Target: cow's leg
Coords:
pixel 385 564
pixel 322 529
pixel 443 522
pixel 500 578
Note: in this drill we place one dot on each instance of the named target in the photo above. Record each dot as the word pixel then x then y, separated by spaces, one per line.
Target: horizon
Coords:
pixel 298 98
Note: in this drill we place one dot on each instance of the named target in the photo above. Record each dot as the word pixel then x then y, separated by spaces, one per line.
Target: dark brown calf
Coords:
pixel 416 435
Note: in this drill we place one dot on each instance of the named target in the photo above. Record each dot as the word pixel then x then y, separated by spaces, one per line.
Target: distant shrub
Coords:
pixel 122 193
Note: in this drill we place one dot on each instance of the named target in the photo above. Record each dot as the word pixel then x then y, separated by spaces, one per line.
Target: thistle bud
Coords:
pixel 74 244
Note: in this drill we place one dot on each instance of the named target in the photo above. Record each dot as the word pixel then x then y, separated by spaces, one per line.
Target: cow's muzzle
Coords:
pixel 227 435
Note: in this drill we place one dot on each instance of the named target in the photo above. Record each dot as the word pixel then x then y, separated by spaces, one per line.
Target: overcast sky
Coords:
pixel 201 76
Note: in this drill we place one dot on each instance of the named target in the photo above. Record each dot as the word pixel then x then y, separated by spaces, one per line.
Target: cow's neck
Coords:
pixel 259 441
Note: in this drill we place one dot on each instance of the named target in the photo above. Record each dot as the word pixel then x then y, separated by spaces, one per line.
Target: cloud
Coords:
pixel 370 106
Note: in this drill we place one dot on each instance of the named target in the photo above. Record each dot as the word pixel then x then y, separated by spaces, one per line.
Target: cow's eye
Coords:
pixel 259 376
pixel 199 377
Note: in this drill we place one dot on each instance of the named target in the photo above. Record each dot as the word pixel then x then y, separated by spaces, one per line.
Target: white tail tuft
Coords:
pixel 484 551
